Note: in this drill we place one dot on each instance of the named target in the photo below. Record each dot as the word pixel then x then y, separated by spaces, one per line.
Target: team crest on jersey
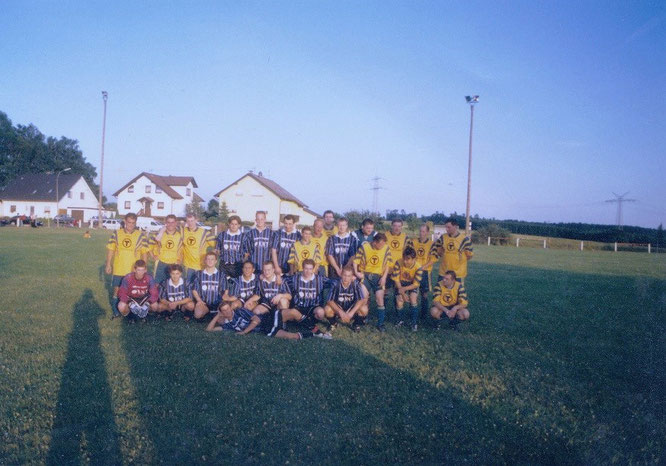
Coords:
pixel 450 246
pixel 169 244
pixel 243 294
pixel 301 294
pixel 374 260
pixel 395 244
pixel 226 246
pixel 421 252
pixel 406 276
pixel 204 287
pixel 282 244
pixel 171 298
pixel 305 254
pixel 448 297
pixel 191 241
pixel 127 242
pixel 337 249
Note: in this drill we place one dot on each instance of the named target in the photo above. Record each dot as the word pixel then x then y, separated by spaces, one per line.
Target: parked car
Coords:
pixel 111 224
pixel 205 227
pixel 64 220
pixel 25 221
pixel 148 224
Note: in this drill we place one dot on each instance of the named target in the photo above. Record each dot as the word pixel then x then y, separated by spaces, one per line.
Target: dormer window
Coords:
pixel 130 189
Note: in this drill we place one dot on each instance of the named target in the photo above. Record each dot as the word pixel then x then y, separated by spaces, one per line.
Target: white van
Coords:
pixel 111 224
pixel 148 224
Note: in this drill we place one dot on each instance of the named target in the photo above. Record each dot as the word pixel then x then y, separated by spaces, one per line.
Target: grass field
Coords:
pixel 563 361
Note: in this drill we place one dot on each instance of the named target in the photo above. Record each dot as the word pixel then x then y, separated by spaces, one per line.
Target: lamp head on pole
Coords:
pixel 105 95
pixel 472 99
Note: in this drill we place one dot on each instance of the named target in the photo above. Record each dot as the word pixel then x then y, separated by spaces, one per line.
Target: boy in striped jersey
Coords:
pixel 450 300
pixel 175 294
pixel 347 302
pixel 371 267
pixel 242 289
pixel 422 246
pixel 454 248
pixel 240 321
pixel 208 287
pixel 281 244
pixel 228 246
pixel 330 228
pixel 319 238
pixel 196 241
pixel 303 249
pixel 168 249
pixel 407 277
pixel 257 242
pixel 138 292
pixel 340 249
pixel 366 233
pixel 123 249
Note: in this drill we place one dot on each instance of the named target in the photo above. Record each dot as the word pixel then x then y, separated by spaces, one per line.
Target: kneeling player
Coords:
pixel 407 277
pixel 240 321
pixel 450 300
pixel 138 292
pixel 208 287
pixel 242 289
pixel 175 294
pixel 347 302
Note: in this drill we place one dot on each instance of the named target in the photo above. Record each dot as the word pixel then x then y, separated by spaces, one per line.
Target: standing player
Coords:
pixel 228 246
pixel 242 289
pixel 329 224
pixel 347 302
pixel 125 246
pixel 397 240
pixel 281 245
pixel 138 292
pixel 175 294
pixel 422 246
pixel 303 249
pixel 454 248
pixel 196 241
pixel 450 300
pixel 320 238
pixel 366 233
pixel 407 276
pixel 371 267
pixel 208 287
pixel 168 249
pixel 340 249
pixel 257 242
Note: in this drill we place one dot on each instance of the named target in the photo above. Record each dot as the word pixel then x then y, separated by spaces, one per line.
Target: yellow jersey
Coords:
pixel 299 252
pixel 422 251
pixel 128 247
pixel 396 244
pixel 321 242
pixel 333 231
pixel 169 248
pixel 371 260
pixel 454 251
pixel 195 246
pixel 450 296
pixel 408 275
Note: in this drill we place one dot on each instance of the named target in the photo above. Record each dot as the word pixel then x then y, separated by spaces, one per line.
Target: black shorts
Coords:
pixel 307 311
pixel 232 270
pixel 415 290
pixel 271 322
pixel 425 282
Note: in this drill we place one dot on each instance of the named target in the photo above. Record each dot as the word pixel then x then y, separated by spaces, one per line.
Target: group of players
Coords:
pixel 260 280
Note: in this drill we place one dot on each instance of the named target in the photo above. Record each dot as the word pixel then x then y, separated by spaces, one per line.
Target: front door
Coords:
pixel 146 209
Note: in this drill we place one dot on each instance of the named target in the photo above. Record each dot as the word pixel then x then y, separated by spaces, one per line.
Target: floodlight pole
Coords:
pixel 471 101
pixel 105 96
pixel 58 194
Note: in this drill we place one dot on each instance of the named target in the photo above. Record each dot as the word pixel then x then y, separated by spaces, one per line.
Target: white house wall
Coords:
pixel 247 197
pixel 171 206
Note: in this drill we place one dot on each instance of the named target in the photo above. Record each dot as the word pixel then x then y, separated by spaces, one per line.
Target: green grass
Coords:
pixel 563 361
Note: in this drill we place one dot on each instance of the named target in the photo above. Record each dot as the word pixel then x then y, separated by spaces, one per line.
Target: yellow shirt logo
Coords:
pixel 169 244
pixel 450 246
pixel 305 253
pixel 127 243
pixel 374 260
pixel 191 241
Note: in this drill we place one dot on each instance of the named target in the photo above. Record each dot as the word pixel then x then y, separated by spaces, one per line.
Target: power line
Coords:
pixel 375 194
pixel 620 199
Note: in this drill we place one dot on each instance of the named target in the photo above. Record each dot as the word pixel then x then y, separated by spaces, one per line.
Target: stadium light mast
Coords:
pixel 105 96
pixel 471 100
pixel 58 193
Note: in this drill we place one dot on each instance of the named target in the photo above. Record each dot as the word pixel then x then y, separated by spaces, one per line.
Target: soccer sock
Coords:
pixel 358 320
pixel 381 315
pixel 415 315
pixel 116 312
pixel 424 306
pixel 306 334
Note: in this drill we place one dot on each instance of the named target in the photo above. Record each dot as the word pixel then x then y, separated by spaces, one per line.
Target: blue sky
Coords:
pixel 322 96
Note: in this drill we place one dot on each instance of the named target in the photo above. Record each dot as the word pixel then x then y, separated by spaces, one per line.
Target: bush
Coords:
pixel 498 234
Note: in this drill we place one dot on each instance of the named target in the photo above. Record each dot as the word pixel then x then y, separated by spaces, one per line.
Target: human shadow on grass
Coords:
pixel 107 280
pixel 252 399
pixel 84 428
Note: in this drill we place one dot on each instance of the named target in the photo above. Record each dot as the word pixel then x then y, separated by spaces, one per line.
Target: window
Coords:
pixel 188 192
pixel 69 194
pixel 158 190
pixel 12 208
pixel 83 196
pixel 127 204
pixel 160 205
pixel 130 189
pixel 148 189
pixel 47 211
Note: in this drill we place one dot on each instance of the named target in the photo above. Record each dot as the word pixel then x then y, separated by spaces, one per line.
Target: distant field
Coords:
pixel 562 362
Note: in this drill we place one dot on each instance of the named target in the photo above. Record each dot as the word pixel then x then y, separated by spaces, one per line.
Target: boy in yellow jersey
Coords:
pixel 397 241
pixel 450 300
pixel 168 250
pixel 320 238
pixel 407 277
pixel 330 228
pixel 196 241
pixel 303 249
pixel 454 248
pixel 123 249
pixel 371 267
pixel 422 246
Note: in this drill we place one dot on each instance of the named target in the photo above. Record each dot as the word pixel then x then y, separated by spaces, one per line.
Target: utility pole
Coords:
pixel 471 100
pixel 619 199
pixel 375 195
pixel 105 96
